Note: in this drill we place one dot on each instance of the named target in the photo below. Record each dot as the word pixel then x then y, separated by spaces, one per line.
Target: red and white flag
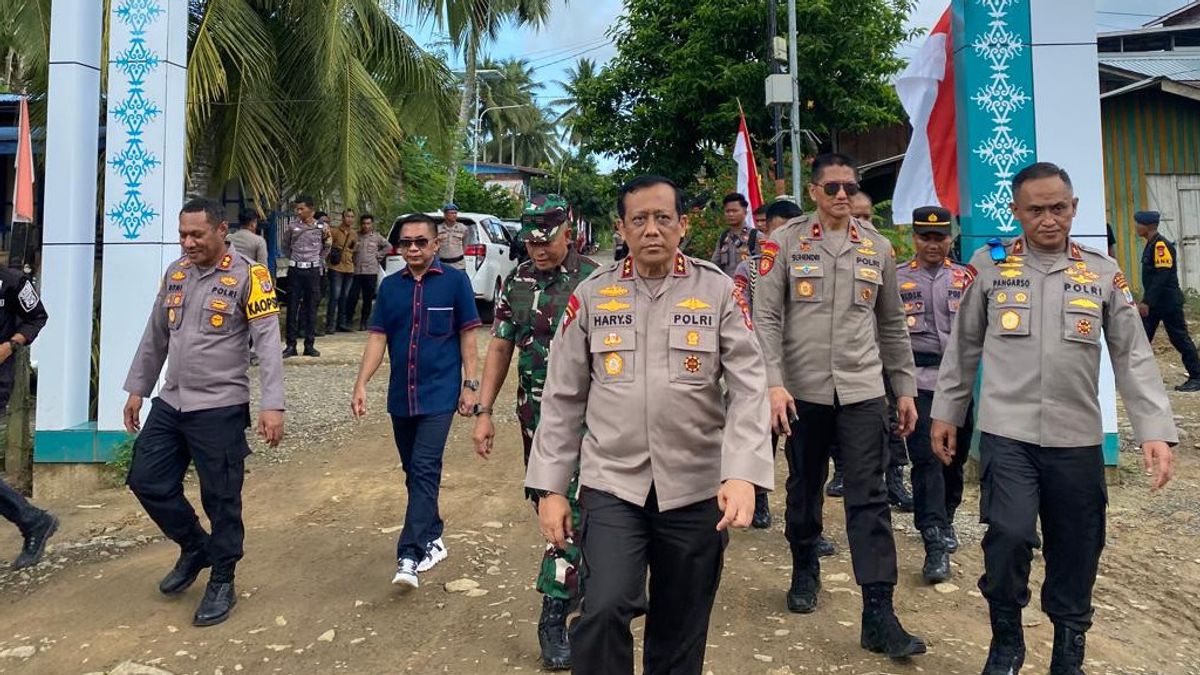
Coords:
pixel 929 174
pixel 23 188
pixel 747 170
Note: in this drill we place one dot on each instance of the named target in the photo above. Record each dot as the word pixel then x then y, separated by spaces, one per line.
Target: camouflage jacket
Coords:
pixel 527 315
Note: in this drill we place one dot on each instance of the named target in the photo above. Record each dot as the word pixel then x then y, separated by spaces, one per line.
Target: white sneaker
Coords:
pixel 406 573
pixel 435 553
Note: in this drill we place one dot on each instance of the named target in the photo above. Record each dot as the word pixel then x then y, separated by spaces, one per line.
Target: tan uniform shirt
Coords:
pixel 249 244
pixel 641 371
pixel 931 298
pixel 451 241
pixel 1038 335
pixel 203 320
pixel 829 316
pixel 344 239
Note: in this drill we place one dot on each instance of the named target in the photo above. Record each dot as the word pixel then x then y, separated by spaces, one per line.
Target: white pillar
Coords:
pixel 63 350
pixel 147 87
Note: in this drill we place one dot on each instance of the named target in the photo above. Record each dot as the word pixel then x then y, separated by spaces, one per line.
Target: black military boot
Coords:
pixel 837 485
pixel 762 512
pixel 187 568
pixel 289 351
pixel 310 350
pixel 1067 657
pixel 806 582
pixel 552 634
pixel 881 630
pixel 937 559
pixel 36 536
pixel 1192 384
pixel 825 547
pixel 950 536
pixel 219 599
pixel 898 494
pixel 1007 652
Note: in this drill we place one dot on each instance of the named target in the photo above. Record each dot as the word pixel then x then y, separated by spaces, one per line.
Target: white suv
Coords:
pixel 489 258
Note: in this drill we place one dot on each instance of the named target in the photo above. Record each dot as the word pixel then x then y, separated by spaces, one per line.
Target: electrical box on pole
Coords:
pixel 779 89
pixel 779 49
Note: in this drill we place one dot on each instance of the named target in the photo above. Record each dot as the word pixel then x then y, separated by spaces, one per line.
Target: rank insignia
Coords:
pixel 692 364
pixel 908 285
pixel 226 262
pixel 1018 247
pixel 769 250
pixel 185 263
pixel 969 273
pixel 854 234
pixel 1083 327
pixel 614 306
pixel 217 320
pixel 571 311
pixel 178 276
pixel 627 268
pixel 866 294
pixel 815 232
pixel 1010 274
pixel 693 304
pixel 614 291
pixel 1085 303
pixel 1020 297
pixel 1002 297
pixel 1010 320
pixel 229 281
pixel 805 247
pixel 1076 253
pixel 171 315
pixel 614 364
pixel 912 321
pixel 804 289
pixel 693 338
pixel 612 340
pixel 218 304
pixel 680 265
pixel 908 307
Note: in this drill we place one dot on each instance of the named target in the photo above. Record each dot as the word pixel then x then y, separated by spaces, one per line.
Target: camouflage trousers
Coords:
pixel 558 575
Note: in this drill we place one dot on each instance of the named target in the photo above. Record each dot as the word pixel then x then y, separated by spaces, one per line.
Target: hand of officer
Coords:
pixel 906 414
pixel 270 426
pixel 783 409
pixel 485 433
pixel 945 440
pixel 6 351
pixel 554 519
pixel 1143 309
pixel 358 402
pixel 1157 455
pixel 736 501
pixel 466 402
pixel 133 414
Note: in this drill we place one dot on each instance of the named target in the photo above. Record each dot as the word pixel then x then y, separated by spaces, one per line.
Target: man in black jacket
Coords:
pixel 1162 299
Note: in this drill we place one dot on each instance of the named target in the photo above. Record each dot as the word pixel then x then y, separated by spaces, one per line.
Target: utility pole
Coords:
pixel 793 67
pixel 776 111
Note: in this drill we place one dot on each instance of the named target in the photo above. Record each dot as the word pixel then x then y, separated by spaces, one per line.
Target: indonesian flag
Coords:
pixel 929 174
pixel 747 170
pixel 23 188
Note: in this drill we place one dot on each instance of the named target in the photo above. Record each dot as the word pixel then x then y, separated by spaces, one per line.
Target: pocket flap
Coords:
pixel 613 340
pixel 693 339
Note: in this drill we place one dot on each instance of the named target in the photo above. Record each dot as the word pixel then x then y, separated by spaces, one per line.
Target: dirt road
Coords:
pixel 321 527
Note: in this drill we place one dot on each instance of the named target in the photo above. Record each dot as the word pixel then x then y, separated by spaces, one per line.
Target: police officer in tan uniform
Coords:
pixel 665 463
pixel 453 238
pixel 1034 317
pixel 212 301
pixel 831 324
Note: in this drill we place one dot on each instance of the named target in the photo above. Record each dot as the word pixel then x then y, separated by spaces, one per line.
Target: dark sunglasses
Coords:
pixel 420 242
pixel 833 187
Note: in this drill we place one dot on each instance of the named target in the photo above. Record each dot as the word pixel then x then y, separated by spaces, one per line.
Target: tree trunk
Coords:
pixel 464 119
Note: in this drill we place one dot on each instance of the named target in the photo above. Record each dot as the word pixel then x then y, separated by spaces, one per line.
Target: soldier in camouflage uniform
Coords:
pixel 527 316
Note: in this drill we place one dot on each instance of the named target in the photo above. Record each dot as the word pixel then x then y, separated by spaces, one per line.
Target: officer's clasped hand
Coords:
pixel 1158 461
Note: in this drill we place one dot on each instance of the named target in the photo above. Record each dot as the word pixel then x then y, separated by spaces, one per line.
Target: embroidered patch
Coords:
pixel 912 321
pixel 614 306
pixel 28 297
pixel 1085 303
pixel 614 364
pixel 229 281
pixel 178 276
pixel 866 294
pixel 1010 320
pixel 612 340
pixel 571 311
pixel 908 285
pixel 692 364
pixel 1002 297
pixel 614 291
pixel 1162 256
pixel 692 338
pixel 226 262
pixel 804 289
pixel 765 263
pixel 261 301
pixel 1083 327
pixel 216 320
pixel 693 304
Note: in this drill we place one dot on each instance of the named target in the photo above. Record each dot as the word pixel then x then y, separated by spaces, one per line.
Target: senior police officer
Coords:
pixel 22 317
pixel 1036 314
pixel 1162 299
pixel 666 461
pixel 931 288
pixel 453 238
pixel 831 324
pixel 305 244
pixel 530 309
pixel 212 301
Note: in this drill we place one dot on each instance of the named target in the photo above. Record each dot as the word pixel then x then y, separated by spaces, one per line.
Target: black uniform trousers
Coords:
pixel 215 440
pixel 1065 488
pixel 937 488
pixel 684 553
pixel 860 430
pixel 304 294
pixel 364 285
pixel 13 505
pixel 1177 331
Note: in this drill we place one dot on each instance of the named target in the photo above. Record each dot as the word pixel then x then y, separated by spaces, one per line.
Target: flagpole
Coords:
pixel 793 74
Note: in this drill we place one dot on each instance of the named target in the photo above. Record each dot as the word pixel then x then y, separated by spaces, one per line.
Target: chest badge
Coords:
pixel 908 285
pixel 692 364
pixel 1021 297
pixel 171 315
pixel 614 364
pixel 614 291
pixel 912 321
pixel 1010 320
pixel 1011 274
pixel 693 338
pixel 1083 327
pixel 1085 303
pixel 804 289
pixel 1002 297
pixel 613 306
pixel 612 340
pixel 693 304
pixel 229 281
pixel 805 247
pixel 178 276
pixel 217 320
pixel 866 294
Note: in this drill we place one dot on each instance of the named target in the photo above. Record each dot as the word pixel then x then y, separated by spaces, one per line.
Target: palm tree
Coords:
pixel 578 76
pixel 25 50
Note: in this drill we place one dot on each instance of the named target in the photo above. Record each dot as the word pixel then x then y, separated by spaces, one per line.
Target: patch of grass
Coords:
pixel 118 466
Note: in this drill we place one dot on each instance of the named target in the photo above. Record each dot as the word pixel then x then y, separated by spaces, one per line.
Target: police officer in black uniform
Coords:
pixel 22 317
pixel 1162 299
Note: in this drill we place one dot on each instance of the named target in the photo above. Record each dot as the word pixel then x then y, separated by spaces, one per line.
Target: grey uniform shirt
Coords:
pixel 451 242
pixel 249 244
pixel 1038 335
pixel 633 395
pixel 306 243
pixel 370 251
pixel 201 324
pixel 931 298
pixel 829 316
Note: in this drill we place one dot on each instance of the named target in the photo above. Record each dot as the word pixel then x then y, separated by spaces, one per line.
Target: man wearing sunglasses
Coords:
pixel 425 319
pixel 831 325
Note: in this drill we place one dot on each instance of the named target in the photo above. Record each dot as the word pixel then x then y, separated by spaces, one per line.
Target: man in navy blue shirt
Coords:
pixel 425 317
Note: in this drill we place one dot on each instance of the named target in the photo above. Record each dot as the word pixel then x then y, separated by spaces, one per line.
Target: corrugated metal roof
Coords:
pixel 1178 65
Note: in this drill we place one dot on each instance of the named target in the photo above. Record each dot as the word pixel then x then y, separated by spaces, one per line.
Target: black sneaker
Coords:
pixel 1192 384
pixel 290 351
pixel 35 541
pixel 837 485
pixel 183 575
pixel 311 351
pixel 762 512
pixel 219 599
pixel 898 494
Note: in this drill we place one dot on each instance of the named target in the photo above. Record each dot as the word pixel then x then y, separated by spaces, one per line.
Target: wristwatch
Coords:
pixel 473 385
pixel 482 410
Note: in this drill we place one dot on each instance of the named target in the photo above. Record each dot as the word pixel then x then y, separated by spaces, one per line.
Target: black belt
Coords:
pixel 453 260
pixel 925 359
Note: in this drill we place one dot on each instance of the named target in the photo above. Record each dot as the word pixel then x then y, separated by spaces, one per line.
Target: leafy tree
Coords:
pixel 578 76
pixel 592 195
pixel 668 102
